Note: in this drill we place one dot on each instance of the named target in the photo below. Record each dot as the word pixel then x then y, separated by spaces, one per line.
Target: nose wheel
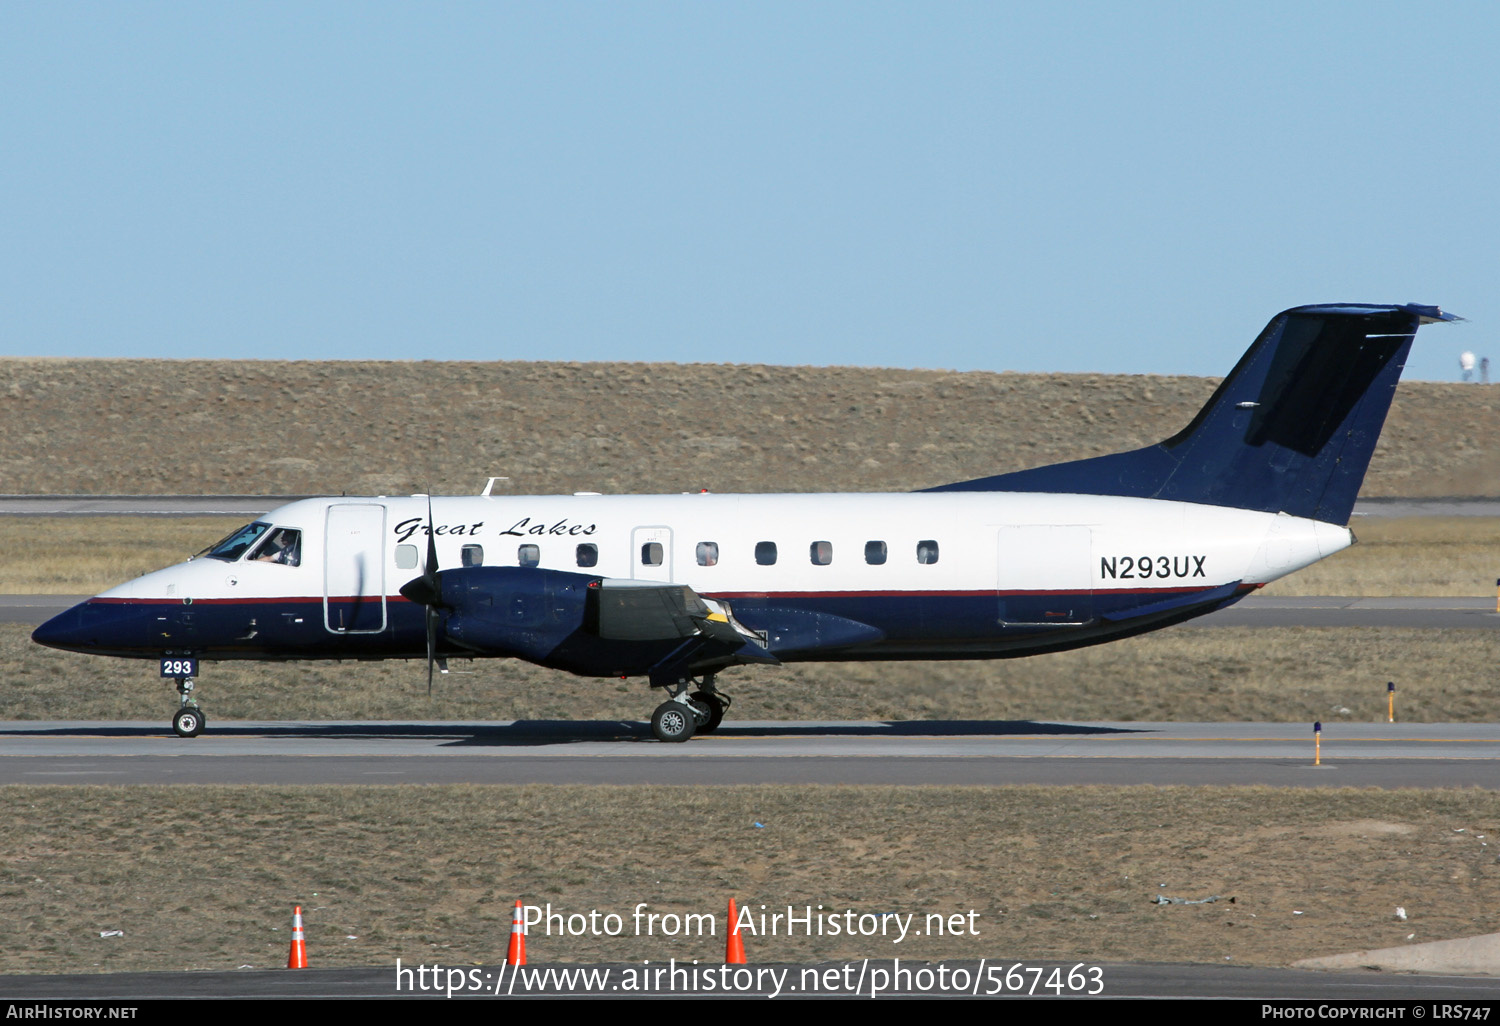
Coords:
pixel 189 720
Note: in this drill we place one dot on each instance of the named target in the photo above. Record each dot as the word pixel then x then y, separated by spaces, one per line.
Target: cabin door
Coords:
pixel 354 568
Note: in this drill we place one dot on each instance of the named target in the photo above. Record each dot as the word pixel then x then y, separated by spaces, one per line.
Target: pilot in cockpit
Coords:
pixel 284 546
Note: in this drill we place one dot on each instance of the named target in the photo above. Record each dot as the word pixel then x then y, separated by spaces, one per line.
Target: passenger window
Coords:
pixel 821 553
pixel 708 553
pixel 588 554
pixel 472 555
pixel 875 553
pixel 406 557
pixel 927 552
pixel 652 554
pixel 283 546
pixel 765 553
pixel 529 555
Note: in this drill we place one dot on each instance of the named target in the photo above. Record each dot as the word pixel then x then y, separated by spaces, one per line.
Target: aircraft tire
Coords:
pixel 188 722
pixel 673 721
pixel 715 706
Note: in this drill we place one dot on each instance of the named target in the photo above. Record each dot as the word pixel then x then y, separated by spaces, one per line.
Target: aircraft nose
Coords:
pixel 67 630
pixel 91 626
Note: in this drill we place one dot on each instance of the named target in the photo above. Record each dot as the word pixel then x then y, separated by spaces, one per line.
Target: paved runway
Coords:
pixel 908 752
pixel 141 505
pixel 1443 507
pixel 1128 980
pixel 1345 611
pixel 33 609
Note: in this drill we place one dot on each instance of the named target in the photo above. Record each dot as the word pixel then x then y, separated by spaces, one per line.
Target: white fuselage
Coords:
pixel 825 545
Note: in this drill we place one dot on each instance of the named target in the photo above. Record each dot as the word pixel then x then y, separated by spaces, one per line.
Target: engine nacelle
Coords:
pixel 521 611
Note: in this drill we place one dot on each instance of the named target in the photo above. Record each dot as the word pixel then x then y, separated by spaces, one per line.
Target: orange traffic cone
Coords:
pixel 734 949
pixel 516 954
pixel 297 959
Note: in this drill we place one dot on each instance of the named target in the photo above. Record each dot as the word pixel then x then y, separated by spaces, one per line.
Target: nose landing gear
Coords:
pixel 189 720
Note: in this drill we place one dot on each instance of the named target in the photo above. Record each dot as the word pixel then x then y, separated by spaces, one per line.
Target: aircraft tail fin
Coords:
pixel 1291 429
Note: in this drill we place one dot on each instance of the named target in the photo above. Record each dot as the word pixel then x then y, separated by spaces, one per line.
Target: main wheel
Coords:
pixel 188 721
pixel 673 721
pixel 715 706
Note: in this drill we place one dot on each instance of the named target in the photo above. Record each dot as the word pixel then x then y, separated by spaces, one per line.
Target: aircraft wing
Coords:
pixel 594 626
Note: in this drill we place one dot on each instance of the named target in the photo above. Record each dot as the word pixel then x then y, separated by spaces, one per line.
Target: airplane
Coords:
pixel 679 588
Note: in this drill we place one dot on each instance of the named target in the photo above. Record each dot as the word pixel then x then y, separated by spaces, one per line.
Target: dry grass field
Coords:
pixel 85 555
pixel 205 877
pixel 286 428
pixel 1444 556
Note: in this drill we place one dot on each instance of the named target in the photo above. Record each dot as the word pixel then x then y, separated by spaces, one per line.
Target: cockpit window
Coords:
pixel 236 544
pixel 283 546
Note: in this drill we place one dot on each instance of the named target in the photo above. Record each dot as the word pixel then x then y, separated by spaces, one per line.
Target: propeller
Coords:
pixel 428 590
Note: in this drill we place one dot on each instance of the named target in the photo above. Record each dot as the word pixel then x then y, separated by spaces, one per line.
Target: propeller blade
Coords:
pixel 430 578
pixel 427 590
pixel 431 645
pixel 431 569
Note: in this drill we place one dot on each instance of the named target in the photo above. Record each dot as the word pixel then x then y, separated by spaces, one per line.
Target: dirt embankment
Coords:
pixel 237 426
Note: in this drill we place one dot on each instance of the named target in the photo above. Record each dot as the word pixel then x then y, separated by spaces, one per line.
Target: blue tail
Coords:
pixel 1290 430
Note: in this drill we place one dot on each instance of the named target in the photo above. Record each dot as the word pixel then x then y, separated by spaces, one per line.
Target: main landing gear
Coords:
pixel 189 720
pixel 683 715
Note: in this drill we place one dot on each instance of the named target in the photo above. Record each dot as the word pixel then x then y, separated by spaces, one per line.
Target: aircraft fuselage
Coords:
pixel 928 575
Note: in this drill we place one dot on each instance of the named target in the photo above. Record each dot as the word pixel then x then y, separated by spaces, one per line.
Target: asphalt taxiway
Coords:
pixel 989 979
pixel 985 753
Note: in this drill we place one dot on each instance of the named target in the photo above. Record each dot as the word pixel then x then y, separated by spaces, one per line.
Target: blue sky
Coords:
pixel 1037 187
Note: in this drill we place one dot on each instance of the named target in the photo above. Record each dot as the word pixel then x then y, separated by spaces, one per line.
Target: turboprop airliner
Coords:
pixel 676 589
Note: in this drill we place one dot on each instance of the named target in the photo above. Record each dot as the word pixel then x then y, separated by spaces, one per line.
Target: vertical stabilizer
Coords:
pixel 1291 429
